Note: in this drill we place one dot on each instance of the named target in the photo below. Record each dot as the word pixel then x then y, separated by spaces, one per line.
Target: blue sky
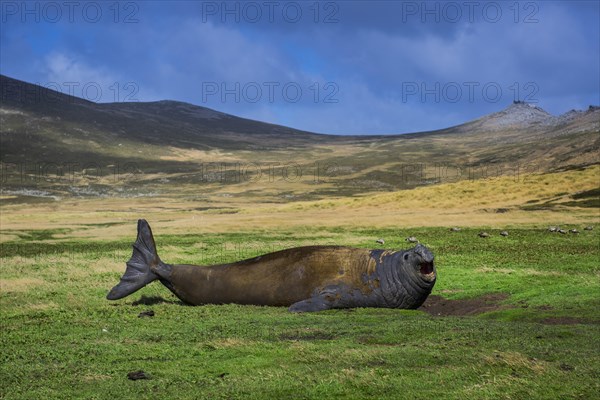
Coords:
pixel 342 67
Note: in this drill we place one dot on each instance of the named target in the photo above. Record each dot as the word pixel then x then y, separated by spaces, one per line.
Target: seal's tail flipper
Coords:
pixel 138 273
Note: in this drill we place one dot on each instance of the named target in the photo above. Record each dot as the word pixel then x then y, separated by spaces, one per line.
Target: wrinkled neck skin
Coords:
pixel 406 277
pixel 402 279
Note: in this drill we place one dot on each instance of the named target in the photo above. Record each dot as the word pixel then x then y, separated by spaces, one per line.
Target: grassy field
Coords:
pixel 538 339
pixel 512 317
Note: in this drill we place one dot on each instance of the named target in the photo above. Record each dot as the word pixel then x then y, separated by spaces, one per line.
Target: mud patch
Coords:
pixel 153 300
pixel 439 306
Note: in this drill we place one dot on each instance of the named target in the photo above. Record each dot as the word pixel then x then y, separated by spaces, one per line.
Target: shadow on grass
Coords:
pixel 152 300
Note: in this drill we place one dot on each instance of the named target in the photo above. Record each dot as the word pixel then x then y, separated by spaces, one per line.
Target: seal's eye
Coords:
pixel 405 256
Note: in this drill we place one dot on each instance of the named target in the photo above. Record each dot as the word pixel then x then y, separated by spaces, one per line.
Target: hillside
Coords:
pixel 55 145
pixel 71 127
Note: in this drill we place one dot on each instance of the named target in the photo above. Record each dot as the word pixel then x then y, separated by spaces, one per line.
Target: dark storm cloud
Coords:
pixel 360 67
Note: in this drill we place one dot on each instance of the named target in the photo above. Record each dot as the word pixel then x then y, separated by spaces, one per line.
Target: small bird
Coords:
pixel 504 233
pixel 589 228
pixel 484 235
pixel 561 231
pixel 455 229
pixel 552 229
pixel 380 241
pixel 136 375
pixel 574 230
pixel 412 239
pixel 149 313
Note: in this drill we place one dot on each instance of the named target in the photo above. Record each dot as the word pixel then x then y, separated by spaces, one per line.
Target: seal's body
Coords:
pixel 310 278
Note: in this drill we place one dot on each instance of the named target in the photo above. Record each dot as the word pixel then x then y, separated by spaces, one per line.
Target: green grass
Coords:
pixel 61 339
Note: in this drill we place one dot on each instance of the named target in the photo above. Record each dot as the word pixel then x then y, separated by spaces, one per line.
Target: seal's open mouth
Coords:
pixel 426 268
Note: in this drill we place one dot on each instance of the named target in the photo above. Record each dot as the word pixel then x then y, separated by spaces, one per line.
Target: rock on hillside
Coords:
pixel 521 115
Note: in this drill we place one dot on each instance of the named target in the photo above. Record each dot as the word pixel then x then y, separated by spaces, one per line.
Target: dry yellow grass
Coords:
pixel 502 191
pixel 516 360
pixel 231 342
pixel 465 203
pixel 200 156
pixel 19 284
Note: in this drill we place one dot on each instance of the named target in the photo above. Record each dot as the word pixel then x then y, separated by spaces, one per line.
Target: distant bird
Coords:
pixel 484 235
pixel 561 231
pixel 574 230
pixel 148 313
pixel 380 241
pixel 589 228
pixel 454 229
pixel 504 233
pixel 136 375
pixel 552 229
pixel 412 239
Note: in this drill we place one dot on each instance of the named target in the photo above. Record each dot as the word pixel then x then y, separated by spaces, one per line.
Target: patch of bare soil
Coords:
pixel 439 306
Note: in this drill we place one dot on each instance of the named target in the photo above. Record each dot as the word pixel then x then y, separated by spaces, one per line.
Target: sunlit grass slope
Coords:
pixel 568 198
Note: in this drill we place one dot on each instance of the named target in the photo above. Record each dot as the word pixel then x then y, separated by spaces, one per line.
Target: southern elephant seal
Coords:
pixel 310 278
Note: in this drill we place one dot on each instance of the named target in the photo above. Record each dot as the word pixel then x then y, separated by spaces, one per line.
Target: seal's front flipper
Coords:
pixel 311 305
pixel 138 273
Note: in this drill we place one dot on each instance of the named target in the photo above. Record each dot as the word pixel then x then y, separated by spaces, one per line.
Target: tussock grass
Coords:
pixel 504 191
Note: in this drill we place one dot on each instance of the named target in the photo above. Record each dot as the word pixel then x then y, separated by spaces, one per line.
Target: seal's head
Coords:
pixel 418 262
pixel 408 277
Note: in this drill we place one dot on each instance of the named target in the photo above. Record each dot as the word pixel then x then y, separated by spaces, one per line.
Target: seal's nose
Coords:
pixel 424 253
pixel 425 259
